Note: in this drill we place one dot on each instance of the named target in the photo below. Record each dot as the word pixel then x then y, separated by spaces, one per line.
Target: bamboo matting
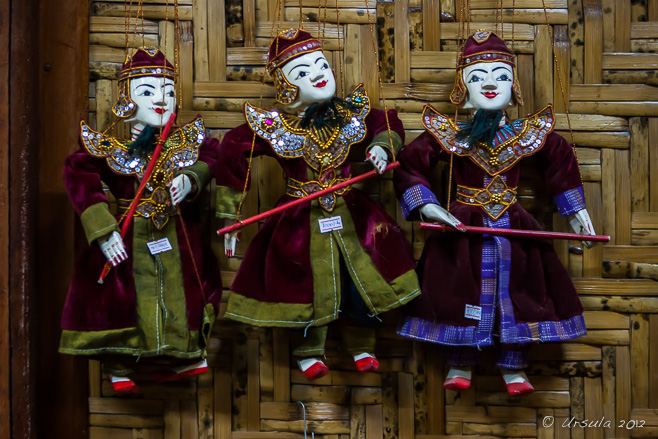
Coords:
pixel 604 53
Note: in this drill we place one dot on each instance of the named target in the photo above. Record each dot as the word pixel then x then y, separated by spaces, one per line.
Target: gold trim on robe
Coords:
pixel 517 139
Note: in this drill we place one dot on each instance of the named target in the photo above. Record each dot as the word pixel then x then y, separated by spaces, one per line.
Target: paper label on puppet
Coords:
pixel 330 224
pixel 159 246
pixel 473 312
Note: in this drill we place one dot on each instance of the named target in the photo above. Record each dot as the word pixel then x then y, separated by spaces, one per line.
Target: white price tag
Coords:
pixel 473 312
pixel 159 246
pixel 330 224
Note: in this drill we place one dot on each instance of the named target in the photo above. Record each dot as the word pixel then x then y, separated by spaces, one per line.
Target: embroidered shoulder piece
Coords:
pixel 517 139
pixel 180 150
pixel 321 148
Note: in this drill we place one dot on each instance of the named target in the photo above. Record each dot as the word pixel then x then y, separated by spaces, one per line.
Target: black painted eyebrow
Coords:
pixel 502 67
pixel 477 70
pixel 321 57
pixel 298 65
pixel 144 85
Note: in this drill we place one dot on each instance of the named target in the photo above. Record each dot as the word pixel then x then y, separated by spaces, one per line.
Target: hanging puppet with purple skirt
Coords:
pixel 340 256
pixel 480 291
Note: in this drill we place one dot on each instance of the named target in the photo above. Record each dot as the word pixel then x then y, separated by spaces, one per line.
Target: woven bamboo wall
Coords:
pixel 604 53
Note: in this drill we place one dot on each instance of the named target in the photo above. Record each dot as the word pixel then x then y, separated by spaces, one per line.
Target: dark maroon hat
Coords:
pixel 146 61
pixel 485 46
pixel 290 44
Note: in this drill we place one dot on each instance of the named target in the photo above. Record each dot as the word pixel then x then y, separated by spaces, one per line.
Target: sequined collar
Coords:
pixel 513 141
pixel 180 150
pixel 321 148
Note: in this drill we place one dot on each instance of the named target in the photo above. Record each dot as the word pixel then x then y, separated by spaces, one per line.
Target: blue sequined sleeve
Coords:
pixel 415 197
pixel 570 201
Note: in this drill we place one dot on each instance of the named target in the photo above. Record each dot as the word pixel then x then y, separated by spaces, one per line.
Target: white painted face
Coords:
pixel 489 85
pixel 312 74
pixel 155 99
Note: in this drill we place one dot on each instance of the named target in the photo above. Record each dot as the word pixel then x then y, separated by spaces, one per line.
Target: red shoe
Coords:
pixel 520 389
pixel 316 370
pixel 366 363
pixel 457 384
pixel 176 373
pixel 123 385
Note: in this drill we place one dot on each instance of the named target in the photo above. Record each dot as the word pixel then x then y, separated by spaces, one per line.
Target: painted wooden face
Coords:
pixel 489 85
pixel 312 74
pixel 155 98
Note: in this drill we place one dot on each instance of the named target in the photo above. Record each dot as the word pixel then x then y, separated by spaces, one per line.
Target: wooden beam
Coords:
pixel 63 87
pixel 23 144
pixel 5 377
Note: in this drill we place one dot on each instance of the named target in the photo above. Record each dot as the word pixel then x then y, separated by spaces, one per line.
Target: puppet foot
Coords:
pixel 366 362
pixel 123 385
pixel 176 373
pixel 517 382
pixel 459 378
pixel 312 368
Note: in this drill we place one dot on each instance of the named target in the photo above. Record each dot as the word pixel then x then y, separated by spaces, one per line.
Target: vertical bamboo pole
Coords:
pixel 639 156
pixel 543 67
pixel 593 41
pixel 623 198
pixel 623 394
pixel 402 59
pixel 217 40
pixel 431 25
pixel 200 20
pixel 622 26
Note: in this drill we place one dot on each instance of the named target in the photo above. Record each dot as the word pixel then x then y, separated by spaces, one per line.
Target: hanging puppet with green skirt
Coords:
pixel 340 257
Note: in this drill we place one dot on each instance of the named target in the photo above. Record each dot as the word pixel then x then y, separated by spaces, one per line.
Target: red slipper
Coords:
pixel 315 371
pixel 123 385
pixel 367 364
pixel 520 389
pixel 456 384
pixel 176 373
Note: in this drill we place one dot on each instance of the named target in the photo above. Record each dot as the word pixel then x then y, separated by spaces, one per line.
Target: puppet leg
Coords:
pixel 511 362
pixel 461 360
pixel 186 370
pixel 359 341
pixel 118 376
pixel 311 348
pixel 358 326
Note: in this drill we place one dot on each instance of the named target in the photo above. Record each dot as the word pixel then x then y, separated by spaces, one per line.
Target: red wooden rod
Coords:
pixel 517 232
pixel 140 190
pixel 303 200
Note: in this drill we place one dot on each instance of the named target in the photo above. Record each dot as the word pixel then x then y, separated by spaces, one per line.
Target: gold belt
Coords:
pixel 494 199
pixel 157 206
pixel 298 189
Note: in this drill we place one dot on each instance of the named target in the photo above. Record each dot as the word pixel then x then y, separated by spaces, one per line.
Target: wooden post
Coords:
pixel 5 400
pixel 46 244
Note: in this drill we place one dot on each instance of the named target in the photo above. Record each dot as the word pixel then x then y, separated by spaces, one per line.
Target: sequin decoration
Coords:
pixel 180 150
pixel 517 139
pixel 321 148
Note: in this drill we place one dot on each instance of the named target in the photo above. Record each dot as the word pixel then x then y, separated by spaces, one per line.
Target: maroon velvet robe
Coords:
pixel 102 315
pixel 277 282
pixel 544 301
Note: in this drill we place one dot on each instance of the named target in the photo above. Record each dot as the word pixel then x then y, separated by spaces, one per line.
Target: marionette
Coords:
pixel 340 256
pixel 162 292
pixel 484 290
